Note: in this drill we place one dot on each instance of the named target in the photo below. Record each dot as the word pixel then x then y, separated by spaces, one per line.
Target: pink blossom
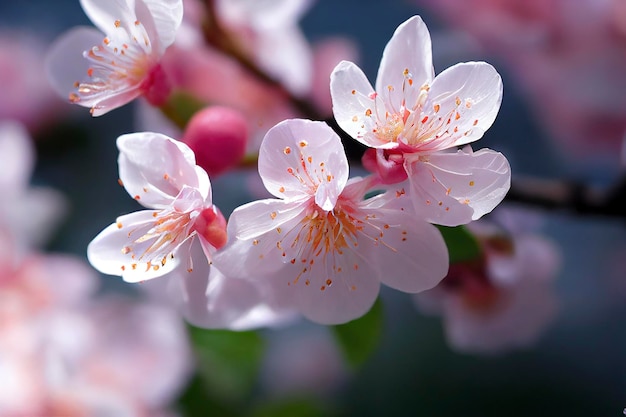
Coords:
pixel 501 301
pixel 420 119
pixel 123 66
pixel 319 245
pixel 161 174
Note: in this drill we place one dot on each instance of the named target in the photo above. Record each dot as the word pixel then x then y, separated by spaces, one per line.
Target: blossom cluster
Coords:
pixel 324 244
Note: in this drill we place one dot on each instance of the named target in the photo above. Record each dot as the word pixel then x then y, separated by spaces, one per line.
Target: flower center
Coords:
pixel 159 239
pixel 116 65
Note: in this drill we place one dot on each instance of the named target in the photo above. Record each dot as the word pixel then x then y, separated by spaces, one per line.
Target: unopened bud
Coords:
pixel 218 137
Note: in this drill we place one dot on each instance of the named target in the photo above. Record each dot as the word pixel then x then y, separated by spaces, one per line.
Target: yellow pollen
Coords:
pixel 117 23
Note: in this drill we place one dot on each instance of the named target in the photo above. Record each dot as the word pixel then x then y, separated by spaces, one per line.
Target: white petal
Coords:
pixel 65 64
pixel 468 95
pixel 335 289
pixel 409 255
pixel 454 188
pixel 209 300
pixel 104 14
pixel 260 217
pixel 254 233
pixel 408 55
pixel 107 252
pixel 166 15
pixel 299 156
pixel 17 158
pixel 356 106
pixel 154 168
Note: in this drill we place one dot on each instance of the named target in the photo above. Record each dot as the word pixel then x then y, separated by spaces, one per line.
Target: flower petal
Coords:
pixel 406 64
pixel 336 288
pixel 254 232
pixel 356 106
pixel 300 158
pixel 154 168
pixel 109 252
pixel 408 254
pixel 454 188
pixel 166 16
pixel 208 299
pixel 467 97
pixel 263 216
pixel 65 64
pixel 105 14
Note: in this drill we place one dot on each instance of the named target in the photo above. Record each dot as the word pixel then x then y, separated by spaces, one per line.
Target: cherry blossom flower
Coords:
pixel 414 121
pixel 125 64
pixel 319 245
pixel 503 300
pixel 161 174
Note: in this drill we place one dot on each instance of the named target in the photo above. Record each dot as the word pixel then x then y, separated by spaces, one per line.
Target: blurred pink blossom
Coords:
pixel 26 95
pixel 501 301
pixel 64 353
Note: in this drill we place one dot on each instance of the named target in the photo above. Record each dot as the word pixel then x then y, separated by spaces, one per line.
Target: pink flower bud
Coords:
pixel 218 137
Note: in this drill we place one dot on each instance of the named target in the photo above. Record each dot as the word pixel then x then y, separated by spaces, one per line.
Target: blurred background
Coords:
pixel 562 121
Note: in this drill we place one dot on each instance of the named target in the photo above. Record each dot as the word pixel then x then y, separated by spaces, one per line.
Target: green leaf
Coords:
pixel 462 245
pixel 228 362
pixel 359 338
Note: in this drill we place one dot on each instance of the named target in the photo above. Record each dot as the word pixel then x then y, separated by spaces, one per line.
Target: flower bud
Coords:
pixel 218 137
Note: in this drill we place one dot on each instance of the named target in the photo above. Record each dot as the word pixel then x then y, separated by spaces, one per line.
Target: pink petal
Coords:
pixel 454 188
pixel 467 98
pixel 154 168
pixel 297 157
pixel 356 106
pixel 408 254
pixel 107 252
pixel 407 56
